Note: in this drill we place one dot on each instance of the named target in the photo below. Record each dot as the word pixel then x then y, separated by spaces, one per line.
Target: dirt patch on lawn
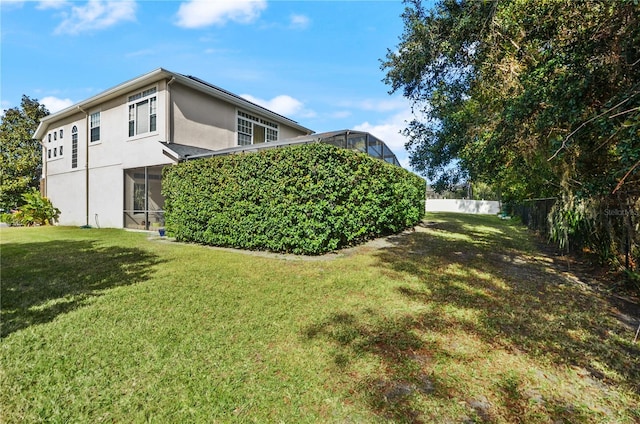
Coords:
pixel 374 244
pixel 584 271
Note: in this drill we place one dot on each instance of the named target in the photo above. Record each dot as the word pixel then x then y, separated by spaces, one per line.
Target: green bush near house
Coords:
pixel 36 210
pixel 307 199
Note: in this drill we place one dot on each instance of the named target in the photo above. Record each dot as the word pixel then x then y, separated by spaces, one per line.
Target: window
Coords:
pixel 375 148
pixel 245 131
pixel 357 142
pixel 49 154
pixel 61 150
pixel 272 135
pixel 49 136
pixel 55 136
pixel 143 112
pixel 95 126
pixel 55 152
pixel 255 130
pixel 74 147
pixel 60 133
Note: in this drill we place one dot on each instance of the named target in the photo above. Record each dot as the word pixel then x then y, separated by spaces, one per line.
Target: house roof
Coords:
pixel 155 76
pixel 184 152
pixel 328 134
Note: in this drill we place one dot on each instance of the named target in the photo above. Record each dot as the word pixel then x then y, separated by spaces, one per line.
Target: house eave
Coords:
pixel 127 86
pixel 158 75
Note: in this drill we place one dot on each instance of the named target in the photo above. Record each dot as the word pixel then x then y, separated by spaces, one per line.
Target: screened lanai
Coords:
pixel 347 139
pixel 354 140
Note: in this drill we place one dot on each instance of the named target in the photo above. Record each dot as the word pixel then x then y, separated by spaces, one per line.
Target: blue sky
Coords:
pixel 317 62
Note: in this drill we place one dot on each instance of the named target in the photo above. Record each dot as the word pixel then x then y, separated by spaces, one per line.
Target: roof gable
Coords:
pixel 158 75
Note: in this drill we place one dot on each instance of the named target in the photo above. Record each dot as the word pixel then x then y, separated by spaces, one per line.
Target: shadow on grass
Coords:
pixel 503 294
pixel 42 280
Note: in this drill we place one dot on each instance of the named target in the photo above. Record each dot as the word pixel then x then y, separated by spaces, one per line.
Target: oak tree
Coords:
pixel 20 154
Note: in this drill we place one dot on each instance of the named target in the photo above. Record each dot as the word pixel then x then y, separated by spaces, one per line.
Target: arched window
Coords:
pixel 74 147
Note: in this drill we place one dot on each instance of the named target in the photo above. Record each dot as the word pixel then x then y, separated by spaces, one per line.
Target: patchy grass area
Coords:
pixel 462 320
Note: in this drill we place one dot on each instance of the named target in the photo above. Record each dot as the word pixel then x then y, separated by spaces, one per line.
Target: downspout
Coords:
pixel 86 165
pixel 169 113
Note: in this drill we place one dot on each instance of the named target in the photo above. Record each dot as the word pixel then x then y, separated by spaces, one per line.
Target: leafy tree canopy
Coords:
pixel 536 97
pixel 20 154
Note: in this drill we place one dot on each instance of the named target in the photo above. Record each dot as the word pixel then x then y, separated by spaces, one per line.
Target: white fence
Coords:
pixel 489 207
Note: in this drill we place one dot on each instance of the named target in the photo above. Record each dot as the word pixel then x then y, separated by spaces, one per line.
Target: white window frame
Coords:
pixel 245 124
pixel 74 147
pixel 55 147
pixel 94 124
pixel 148 97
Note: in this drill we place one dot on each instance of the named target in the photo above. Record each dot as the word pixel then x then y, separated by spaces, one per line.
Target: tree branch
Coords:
pixel 625 112
pixel 625 177
pixel 564 142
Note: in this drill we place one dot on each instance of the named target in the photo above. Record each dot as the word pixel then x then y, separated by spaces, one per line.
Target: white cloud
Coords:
pixel 203 13
pixel 283 104
pixel 299 21
pixel 340 114
pixel 138 53
pixel 96 15
pixel 388 130
pixel 404 160
pixel 55 104
pixel 216 51
pixel 52 4
pixel 378 105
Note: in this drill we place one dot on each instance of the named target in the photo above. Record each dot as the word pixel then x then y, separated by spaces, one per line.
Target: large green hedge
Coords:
pixel 306 199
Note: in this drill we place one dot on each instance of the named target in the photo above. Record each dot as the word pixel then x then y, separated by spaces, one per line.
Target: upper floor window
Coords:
pixel 61 132
pixel 55 150
pixel 74 147
pixel 255 130
pixel 143 112
pixel 95 126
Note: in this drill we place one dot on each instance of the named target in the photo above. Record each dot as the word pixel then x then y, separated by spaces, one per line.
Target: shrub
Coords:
pixel 36 210
pixel 306 199
pixel 9 218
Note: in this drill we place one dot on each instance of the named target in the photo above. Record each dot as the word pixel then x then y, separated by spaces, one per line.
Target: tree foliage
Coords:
pixel 20 154
pixel 537 98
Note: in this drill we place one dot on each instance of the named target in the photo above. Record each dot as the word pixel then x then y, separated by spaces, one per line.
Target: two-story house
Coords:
pixel 103 157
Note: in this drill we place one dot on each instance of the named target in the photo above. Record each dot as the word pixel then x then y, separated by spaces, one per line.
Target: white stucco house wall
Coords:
pixel 103 157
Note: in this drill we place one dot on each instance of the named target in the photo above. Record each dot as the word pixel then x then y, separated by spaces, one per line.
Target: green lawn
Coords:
pixel 462 320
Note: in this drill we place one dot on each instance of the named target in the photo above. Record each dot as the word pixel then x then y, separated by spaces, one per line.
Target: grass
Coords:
pixel 463 320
